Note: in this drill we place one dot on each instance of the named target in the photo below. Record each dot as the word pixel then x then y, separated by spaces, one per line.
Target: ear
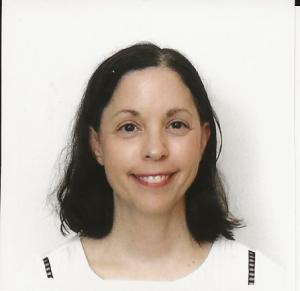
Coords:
pixel 95 145
pixel 205 135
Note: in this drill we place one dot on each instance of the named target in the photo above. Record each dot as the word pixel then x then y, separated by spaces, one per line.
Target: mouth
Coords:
pixel 153 180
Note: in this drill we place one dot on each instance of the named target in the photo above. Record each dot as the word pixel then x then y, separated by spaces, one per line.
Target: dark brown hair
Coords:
pixel 84 194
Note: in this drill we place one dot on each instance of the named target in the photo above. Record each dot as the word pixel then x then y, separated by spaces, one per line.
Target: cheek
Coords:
pixel 188 150
pixel 117 154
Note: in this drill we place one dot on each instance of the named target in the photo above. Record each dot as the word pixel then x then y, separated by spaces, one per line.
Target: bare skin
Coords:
pixel 146 250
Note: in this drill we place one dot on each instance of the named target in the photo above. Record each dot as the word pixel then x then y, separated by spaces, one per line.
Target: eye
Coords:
pixel 177 124
pixel 128 128
pixel 179 127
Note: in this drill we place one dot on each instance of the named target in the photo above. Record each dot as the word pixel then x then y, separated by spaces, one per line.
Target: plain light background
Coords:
pixel 244 52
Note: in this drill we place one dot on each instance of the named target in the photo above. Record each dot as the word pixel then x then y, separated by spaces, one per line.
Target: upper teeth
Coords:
pixel 154 179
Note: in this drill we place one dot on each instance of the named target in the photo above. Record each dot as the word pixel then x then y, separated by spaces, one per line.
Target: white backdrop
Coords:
pixel 244 51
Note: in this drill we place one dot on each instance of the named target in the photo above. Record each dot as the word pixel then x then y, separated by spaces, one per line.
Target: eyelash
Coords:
pixel 126 124
pixel 181 123
pixel 131 123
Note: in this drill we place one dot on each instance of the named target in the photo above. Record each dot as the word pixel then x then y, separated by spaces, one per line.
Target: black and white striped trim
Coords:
pixel 251 267
pixel 48 267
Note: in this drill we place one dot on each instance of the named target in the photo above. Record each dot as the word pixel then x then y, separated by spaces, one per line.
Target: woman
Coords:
pixel 141 188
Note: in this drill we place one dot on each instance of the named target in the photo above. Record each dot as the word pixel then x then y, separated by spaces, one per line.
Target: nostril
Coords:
pixel 155 147
pixel 156 156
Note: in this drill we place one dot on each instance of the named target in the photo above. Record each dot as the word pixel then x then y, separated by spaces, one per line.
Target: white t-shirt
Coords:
pixel 225 268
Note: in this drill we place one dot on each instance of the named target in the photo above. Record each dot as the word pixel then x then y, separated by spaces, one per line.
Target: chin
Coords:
pixel 160 207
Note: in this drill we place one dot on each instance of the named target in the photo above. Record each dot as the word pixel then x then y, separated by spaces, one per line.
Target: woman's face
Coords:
pixel 150 141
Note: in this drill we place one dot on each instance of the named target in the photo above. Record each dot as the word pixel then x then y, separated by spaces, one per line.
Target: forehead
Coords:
pixel 153 87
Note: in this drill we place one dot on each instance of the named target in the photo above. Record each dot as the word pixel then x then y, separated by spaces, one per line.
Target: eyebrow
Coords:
pixel 130 111
pixel 173 111
pixel 170 113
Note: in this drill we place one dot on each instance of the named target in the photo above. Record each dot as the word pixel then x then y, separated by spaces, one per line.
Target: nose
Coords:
pixel 155 146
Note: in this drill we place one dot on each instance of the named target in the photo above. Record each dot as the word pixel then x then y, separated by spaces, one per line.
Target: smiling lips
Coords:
pixel 154 180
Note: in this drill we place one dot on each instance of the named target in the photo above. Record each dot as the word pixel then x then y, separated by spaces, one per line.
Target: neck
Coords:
pixel 150 236
pixel 141 245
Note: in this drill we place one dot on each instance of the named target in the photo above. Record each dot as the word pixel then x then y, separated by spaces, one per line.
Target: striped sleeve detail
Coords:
pixel 251 267
pixel 48 267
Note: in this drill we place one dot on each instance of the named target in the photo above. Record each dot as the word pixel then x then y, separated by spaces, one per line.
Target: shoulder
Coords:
pixel 268 273
pixel 44 271
pixel 63 260
pixel 248 265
